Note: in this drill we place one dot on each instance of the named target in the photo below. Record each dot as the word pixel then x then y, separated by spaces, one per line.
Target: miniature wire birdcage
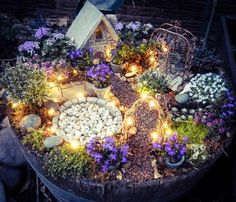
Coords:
pixel 180 43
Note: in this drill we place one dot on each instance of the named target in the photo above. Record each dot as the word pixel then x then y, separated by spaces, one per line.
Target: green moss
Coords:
pixel 34 138
pixel 63 162
pixel 195 132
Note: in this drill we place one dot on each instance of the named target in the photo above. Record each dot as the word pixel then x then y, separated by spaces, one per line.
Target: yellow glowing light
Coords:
pixel 165 125
pixel 51 84
pixel 108 53
pixel 168 131
pixel 51 112
pixel 154 136
pixel 152 59
pixel 55 100
pixel 152 103
pixel 81 95
pixel 59 77
pixel 52 130
pixel 14 105
pixel 74 144
pixel 151 52
pixel 130 121
pixel 133 68
pixel 75 72
pixel 144 95
pixel 122 108
pixel 165 49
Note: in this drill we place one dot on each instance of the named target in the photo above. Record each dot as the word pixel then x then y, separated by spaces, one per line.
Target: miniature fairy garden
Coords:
pixel 133 113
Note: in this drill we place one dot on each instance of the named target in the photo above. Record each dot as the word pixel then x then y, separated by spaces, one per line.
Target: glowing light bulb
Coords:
pixel 59 77
pixel 130 121
pixel 154 136
pixel 168 131
pixel 75 72
pixel 51 112
pixel 165 49
pixel 14 105
pixel 51 84
pixel 81 95
pixel 151 52
pixel 165 125
pixel 122 108
pixel 55 100
pixel 74 144
pixel 152 104
pixel 133 68
pixel 152 59
pixel 144 95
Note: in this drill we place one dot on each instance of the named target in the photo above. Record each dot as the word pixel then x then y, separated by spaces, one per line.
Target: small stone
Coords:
pixel 52 141
pixel 122 78
pixel 190 116
pixel 130 74
pixel 200 109
pixel 192 111
pixel 130 80
pixel 68 103
pixel 183 117
pixel 178 119
pixel 209 106
pixel 82 99
pixel 174 109
pixel 184 110
pixel 92 99
pixel 118 75
pixel 30 121
pixel 182 98
pixel 133 130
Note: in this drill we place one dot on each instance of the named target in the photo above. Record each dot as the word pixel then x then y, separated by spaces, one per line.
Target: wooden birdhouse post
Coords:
pixel 91 29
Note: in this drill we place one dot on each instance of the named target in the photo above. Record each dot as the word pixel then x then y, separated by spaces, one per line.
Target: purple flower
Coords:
pixel 156 146
pixel 29 47
pixel 104 168
pixel 119 26
pixel 41 32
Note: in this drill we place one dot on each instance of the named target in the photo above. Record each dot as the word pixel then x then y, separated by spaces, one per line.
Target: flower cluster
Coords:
pixel 41 32
pixel 107 155
pixel 100 75
pixel 197 152
pixel 133 31
pixel 28 48
pixel 80 58
pixel 207 88
pixel 172 147
pixel 212 121
pixel 228 108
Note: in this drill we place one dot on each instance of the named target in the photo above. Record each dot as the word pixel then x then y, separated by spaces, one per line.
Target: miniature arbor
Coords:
pixel 179 44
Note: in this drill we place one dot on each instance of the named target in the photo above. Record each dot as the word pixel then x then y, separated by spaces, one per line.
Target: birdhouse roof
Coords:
pixel 86 23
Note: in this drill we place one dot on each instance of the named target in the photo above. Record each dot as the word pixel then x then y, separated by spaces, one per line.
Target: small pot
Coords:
pixel 116 68
pixel 174 165
pixel 102 92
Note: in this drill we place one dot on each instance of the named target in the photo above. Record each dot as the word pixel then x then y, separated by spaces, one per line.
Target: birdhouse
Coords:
pixel 91 29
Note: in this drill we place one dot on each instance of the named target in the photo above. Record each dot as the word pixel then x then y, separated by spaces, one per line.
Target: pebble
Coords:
pixel 30 121
pixel 174 109
pixel 182 98
pixel 184 110
pixel 183 117
pixel 192 111
pixel 52 141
